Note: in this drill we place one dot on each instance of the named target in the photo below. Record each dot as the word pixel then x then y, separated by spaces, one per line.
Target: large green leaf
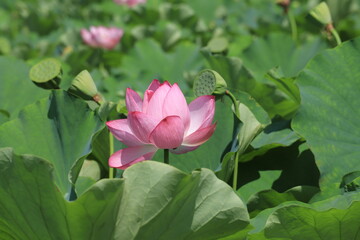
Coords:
pixel 263 183
pixel 100 147
pixel 253 117
pixel 270 198
pixel 58 129
pixel 206 10
pixel 274 101
pixel 340 9
pixel 16 89
pixel 329 114
pixel 298 169
pixel 89 174
pixel 278 50
pixel 165 203
pixel 266 141
pixel 31 207
pixel 298 223
pixel 154 201
pixel 333 219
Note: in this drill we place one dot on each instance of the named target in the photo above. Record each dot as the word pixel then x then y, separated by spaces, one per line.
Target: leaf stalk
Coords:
pixel 166 156
pixel 111 150
pixel 236 164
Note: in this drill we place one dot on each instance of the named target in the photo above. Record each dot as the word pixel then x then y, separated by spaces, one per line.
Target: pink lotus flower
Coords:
pixel 163 120
pixel 102 37
pixel 130 3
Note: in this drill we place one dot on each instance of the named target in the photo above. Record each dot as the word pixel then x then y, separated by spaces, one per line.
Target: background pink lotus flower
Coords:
pixel 130 3
pixel 102 37
pixel 162 120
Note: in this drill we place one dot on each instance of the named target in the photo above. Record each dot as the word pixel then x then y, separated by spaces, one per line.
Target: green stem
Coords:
pixel 111 150
pixel 236 170
pixel 55 84
pixel 103 70
pixel 233 99
pixel 293 25
pixel 236 164
pixel 166 156
pixel 336 36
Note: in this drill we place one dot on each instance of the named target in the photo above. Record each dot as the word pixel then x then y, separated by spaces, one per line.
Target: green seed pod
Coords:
pixel 322 13
pixel 83 86
pixel 46 73
pixel 209 82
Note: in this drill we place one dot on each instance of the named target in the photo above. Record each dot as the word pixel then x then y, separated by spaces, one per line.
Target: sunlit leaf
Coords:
pixel 58 129
pixel 335 218
pixel 266 141
pixel 34 208
pixel 153 199
pixel 270 198
pixel 253 117
pixel 264 182
pixel 191 206
pixel 329 114
pixel 278 50
pixel 16 89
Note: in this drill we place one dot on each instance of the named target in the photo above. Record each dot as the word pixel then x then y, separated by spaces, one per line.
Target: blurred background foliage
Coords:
pixel 162 40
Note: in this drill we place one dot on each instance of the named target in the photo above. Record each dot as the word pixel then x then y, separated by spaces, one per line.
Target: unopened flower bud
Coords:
pixel 209 82
pixel 83 86
pixel 322 13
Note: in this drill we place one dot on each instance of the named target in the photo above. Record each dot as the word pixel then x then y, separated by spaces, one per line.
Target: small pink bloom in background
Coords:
pixel 130 3
pixel 162 120
pixel 102 37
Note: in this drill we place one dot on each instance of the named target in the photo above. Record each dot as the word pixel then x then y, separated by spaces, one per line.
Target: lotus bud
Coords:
pixel 209 82
pixel 322 13
pixel 46 74
pixel 83 86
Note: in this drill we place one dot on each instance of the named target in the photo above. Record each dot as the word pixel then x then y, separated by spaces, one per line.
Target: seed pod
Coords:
pixel 322 13
pixel 209 82
pixel 46 74
pixel 83 86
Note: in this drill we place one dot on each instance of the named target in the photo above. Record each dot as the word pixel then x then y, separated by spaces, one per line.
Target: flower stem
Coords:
pixel 236 170
pixel 166 156
pixel 111 150
pixel 293 25
pixel 336 36
pixel 330 29
pixel 236 164
pixel 233 99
